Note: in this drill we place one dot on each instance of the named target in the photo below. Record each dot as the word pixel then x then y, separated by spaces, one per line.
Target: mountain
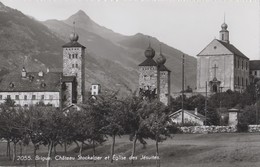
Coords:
pixel 111 58
pixel 121 54
pixel 26 42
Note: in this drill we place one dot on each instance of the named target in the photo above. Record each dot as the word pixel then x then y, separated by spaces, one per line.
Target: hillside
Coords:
pixel 26 42
pixel 121 54
pixel 111 58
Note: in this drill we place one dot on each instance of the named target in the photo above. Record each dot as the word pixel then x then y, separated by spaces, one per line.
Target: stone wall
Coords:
pixel 253 128
pixel 217 129
pixel 208 129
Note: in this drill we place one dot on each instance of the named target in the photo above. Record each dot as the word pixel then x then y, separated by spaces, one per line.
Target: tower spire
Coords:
pixel 160 48
pixel 149 41
pixel 224 17
pixel 74 27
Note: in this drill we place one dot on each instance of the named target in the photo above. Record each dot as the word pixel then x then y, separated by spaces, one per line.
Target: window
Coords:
pixel 33 97
pixel 8 96
pixel 72 65
pixel 42 97
pixel 255 72
pixel 235 62
pixel 94 87
pixel 1 97
pixel 73 56
pixel 70 56
pixel 77 66
pixel 25 97
pixel 76 56
pixel 16 97
pixel 222 37
pixel 51 97
pixel 246 82
pixel 242 81
pixel 238 81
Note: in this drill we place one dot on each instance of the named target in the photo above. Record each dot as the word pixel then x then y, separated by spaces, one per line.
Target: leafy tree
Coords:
pixel 115 118
pixel 136 121
pixel 157 123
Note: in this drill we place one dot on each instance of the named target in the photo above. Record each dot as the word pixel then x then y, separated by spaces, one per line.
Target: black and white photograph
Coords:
pixel 144 83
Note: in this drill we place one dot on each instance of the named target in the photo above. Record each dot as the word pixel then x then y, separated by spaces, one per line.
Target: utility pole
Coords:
pixel 182 96
pixel 256 112
pixel 206 103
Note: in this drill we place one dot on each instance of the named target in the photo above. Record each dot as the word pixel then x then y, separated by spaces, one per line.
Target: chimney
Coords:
pixel 23 73
pixel 196 111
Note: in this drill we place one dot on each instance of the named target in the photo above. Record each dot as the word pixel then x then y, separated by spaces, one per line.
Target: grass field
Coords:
pixel 183 150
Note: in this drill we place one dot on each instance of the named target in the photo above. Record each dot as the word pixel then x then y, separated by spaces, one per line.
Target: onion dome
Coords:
pixel 149 52
pixel 161 60
pixel 224 26
pixel 74 37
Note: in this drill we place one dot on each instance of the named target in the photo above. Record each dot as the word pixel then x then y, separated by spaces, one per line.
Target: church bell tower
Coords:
pixel 224 33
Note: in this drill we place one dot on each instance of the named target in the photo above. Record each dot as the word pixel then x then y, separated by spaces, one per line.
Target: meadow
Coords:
pixel 182 150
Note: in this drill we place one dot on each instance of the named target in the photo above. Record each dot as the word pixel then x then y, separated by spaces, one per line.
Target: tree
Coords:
pixel 52 134
pixel 114 117
pixel 136 121
pixel 157 123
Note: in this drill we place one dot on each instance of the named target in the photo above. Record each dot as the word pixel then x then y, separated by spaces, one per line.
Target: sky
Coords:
pixel 187 25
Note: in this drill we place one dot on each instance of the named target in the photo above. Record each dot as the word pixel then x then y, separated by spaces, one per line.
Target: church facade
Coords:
pixel 58 89
pixel 154 77
pixel 221 66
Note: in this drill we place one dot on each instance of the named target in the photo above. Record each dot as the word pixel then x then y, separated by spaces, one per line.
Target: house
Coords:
pixel 190 116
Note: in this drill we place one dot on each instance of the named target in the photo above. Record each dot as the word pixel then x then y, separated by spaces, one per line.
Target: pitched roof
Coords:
pixel 31 83
pixel 232 49
pixel 148 62
pixel 190 112
pixel 73 44
pixel 254 64
pixel 163 68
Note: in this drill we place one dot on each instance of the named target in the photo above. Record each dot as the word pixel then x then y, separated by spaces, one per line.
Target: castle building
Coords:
pixel 154 77
pixel 59 89
pixel 222 66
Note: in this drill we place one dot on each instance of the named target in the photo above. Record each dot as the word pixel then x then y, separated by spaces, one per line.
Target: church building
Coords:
pixel 58 89
pixel 222 66
pixel 154 77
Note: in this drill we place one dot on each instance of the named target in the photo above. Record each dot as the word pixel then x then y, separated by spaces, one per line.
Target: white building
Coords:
pixel 95 89
pixel 190 116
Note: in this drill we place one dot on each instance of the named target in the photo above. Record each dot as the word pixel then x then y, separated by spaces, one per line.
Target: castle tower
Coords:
pixel 163 79
pixel 148 75
pixel 74 67
pixel 224 33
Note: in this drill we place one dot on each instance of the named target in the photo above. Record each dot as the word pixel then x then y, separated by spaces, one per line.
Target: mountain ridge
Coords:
pixel 111 58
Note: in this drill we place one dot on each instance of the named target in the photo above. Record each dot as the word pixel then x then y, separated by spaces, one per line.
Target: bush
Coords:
pixel 242 127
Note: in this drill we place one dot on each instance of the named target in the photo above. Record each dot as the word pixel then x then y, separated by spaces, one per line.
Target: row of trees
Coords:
pixel 107 116
pixel 96 120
